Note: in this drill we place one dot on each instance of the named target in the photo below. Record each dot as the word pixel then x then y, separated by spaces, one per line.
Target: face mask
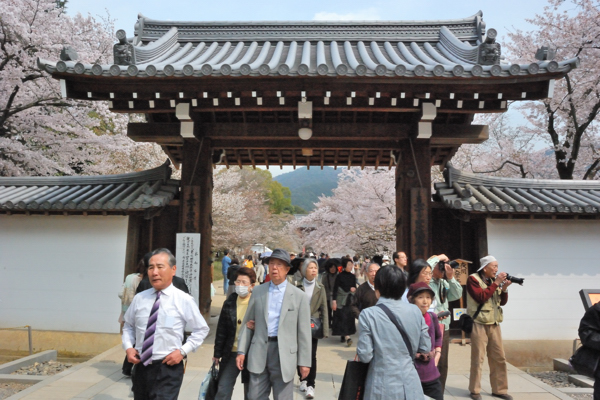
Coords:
pixel 242 290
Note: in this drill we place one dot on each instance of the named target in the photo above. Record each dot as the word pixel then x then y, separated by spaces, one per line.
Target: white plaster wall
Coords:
pixel 62 272
pixel 557 258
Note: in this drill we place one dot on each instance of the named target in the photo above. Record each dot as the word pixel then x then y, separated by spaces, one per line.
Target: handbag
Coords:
pixel 355 376
pixel 210 384
pixel 353 384
pixel 466 321
pixel 585 360
pixel 316 328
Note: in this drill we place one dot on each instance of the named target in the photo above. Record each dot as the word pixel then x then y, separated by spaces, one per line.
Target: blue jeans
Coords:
pixel 225 280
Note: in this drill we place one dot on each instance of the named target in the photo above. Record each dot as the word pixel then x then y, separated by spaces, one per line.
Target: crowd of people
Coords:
pixel 278 308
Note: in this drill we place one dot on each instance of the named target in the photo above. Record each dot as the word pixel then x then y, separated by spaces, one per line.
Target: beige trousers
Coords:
pixel 488 338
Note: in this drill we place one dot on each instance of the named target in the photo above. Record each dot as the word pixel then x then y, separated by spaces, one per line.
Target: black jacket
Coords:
pixel 225 335
pixel 589 328
pixel 178 282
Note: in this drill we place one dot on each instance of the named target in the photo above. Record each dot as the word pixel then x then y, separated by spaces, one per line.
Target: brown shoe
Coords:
pixel 475 396
pixel 503 396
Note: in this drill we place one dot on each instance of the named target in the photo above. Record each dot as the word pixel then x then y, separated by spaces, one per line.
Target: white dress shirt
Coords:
pixel 275 301
pixel 177 309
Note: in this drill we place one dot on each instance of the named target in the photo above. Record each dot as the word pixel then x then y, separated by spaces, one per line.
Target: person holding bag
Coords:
pixel 388 333
pixel 315 292
pixel 343 290
pixel 228 329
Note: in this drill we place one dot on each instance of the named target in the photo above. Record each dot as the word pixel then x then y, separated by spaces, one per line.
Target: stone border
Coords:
pixel 48 355
pixel 53 378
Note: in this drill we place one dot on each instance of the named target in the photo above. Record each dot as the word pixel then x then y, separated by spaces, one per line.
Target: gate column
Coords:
pixel 413 198
pixel 196 208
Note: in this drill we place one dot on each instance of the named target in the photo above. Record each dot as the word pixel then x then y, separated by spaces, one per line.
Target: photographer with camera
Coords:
pixel 486 293
pixel 446 289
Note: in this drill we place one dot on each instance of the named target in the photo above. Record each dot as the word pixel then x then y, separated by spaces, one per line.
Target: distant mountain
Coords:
pixel 307 185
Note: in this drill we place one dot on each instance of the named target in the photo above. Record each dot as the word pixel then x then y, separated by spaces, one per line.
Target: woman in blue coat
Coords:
pixel 392 374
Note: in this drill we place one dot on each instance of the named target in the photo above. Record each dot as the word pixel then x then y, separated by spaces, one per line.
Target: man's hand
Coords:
pixel 174 358
pixel 334 305
pixel 507 283
pixel 500 278
pixel 449 271
pixel 443 257
pixel 216 361
pixel 304 372
pixel 250 324
pixel 352 289
pixel 133 356
pixel 239 360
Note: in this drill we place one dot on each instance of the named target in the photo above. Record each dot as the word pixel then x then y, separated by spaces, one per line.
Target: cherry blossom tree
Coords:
pixel 40 132
pixel 359 216
pixel 569 121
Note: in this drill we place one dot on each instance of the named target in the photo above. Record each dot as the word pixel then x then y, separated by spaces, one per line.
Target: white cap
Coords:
pixel 485 261
pixel 386 258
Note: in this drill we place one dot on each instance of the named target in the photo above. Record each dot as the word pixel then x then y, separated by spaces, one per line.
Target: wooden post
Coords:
pixel 413 199
pixel 196 208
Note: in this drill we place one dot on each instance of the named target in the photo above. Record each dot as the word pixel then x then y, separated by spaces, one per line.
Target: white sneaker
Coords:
pixel 310 392
pixel 303 386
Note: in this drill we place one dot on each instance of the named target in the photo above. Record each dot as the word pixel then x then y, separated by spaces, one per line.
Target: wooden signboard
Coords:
pixel 462 273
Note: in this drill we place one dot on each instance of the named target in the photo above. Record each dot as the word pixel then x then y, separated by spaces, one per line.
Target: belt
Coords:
pixel 272 338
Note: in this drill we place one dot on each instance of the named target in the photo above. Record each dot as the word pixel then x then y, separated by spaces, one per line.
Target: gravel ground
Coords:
pixel 560 379
pixel 8 389
pixel 43 368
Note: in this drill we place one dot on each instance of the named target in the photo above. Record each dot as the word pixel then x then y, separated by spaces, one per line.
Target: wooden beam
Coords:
pixel 158 132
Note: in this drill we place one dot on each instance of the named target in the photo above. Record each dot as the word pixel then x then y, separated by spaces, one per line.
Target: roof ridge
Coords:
pixel 457 176
pixel 162 173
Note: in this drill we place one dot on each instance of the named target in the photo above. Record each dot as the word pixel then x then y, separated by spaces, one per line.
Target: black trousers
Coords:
pixel 157 381
pixel 433 389
pixel 443 364
pixel 310 379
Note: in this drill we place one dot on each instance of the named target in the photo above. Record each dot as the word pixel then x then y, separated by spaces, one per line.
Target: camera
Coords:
pixel 442 264
pixel 514 279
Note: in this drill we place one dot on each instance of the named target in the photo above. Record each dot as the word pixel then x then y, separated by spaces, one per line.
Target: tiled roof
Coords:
pixel 483 194
pixel 449 48
pixel 125 192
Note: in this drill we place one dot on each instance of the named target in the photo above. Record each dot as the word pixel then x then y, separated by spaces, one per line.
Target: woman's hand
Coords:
pixel 352 289
pixel 334 305
pixel 215 361
pixel 250 325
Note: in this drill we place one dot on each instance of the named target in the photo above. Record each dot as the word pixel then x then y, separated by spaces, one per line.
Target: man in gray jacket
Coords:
pixel 281 339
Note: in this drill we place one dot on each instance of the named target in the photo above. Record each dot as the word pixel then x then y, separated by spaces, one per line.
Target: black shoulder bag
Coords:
pixel 466 321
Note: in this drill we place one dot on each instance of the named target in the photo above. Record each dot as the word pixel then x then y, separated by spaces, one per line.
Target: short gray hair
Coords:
pixel 306 263
pixel 373 263
pixel 162 250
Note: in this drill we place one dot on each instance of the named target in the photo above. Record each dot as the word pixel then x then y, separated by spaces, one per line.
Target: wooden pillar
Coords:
pixel 413 199
pixel 196 208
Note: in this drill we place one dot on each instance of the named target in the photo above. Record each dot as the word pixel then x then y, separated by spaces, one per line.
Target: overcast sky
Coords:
pixel 505 16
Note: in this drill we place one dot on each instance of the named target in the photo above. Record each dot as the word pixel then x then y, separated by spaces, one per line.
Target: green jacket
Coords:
pixel 453 291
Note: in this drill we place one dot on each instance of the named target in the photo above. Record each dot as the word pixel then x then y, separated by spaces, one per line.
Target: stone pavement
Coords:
pixel 100 378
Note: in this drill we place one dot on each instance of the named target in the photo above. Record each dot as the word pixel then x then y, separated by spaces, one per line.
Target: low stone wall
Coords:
pixel 538 354
pixel 68 344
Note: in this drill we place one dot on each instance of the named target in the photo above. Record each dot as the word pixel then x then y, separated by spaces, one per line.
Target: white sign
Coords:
pixel 188 262
pixel 457 312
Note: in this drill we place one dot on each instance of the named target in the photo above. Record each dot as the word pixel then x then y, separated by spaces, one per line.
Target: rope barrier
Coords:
pixel 16 327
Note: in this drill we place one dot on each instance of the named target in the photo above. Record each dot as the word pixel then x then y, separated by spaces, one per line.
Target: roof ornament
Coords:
pixel 123 51
pixel 545 53
pixel 68 53
pixel 489 51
